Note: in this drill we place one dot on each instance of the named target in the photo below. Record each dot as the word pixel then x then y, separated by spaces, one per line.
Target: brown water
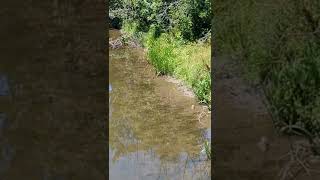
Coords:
pixel 155 130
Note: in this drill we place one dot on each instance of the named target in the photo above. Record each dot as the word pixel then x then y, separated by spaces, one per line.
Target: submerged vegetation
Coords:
pixel 176 35
pixel 279 45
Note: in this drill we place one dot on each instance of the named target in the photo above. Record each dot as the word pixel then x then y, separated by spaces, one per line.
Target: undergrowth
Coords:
pixel 279 44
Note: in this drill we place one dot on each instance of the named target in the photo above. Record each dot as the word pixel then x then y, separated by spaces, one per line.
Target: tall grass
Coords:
pixel 279 44
pixel 161 53
pixel 207 149
pixel 189 62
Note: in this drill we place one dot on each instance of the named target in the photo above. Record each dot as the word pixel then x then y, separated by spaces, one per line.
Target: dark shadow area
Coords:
pixel 53 90
pixel 266 89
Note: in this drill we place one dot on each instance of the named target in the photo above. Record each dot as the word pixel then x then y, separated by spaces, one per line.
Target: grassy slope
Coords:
pixel 189 62
pixel 280 50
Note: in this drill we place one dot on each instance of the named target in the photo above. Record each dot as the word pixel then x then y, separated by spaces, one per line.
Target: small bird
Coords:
pixel 263 144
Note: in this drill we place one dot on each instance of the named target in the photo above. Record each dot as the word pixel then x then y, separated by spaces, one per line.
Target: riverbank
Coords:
pixel 278 47
pixel 189 63
pixel 247 145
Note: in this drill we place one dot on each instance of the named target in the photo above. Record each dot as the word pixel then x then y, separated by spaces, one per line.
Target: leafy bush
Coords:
pixel 188 19
pixel 167 28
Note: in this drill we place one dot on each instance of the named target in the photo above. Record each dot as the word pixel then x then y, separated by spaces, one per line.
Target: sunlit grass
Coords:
pixel 194 68
pixel 189 62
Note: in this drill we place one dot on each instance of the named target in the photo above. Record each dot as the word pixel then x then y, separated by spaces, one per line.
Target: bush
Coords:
pixel 167 28
pixel 188 19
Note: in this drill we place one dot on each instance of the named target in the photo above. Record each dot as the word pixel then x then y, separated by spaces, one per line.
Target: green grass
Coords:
pixel 280 50
pixel 189 62
pixel 207 149
pixel 161 53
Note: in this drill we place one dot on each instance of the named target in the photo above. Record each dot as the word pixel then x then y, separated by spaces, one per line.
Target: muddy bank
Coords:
pixel 246 144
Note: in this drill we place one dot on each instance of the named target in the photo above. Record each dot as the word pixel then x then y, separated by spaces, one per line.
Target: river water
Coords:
pixel 155 130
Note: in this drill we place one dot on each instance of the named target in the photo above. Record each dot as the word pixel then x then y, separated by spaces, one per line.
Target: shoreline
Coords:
pixel 182 84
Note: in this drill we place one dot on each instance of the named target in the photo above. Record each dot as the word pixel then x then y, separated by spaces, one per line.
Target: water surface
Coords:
pixel 155 131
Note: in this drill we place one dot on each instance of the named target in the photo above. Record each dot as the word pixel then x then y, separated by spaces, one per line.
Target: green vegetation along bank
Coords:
pixel 278 42
pixel 177 36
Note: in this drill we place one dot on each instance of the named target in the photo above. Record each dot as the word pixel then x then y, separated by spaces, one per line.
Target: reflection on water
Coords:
pixel 151 134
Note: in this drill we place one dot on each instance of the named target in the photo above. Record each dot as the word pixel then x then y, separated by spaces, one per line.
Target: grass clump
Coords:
pixel 194 69
pixel 293 93
pixel 207 149
pixel 279 45
pixel 162 55
pixel 189 62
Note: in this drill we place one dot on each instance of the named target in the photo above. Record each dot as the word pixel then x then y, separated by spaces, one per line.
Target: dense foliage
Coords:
pixel 176 34
pixel 279 43
pixel 189 19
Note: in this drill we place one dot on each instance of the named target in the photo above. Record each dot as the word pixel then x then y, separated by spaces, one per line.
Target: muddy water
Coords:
pixel 155 130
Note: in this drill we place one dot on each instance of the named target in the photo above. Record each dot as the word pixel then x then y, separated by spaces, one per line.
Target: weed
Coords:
pixel 207 149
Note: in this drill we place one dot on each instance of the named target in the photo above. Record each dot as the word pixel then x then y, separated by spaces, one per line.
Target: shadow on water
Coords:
pixel 154 130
